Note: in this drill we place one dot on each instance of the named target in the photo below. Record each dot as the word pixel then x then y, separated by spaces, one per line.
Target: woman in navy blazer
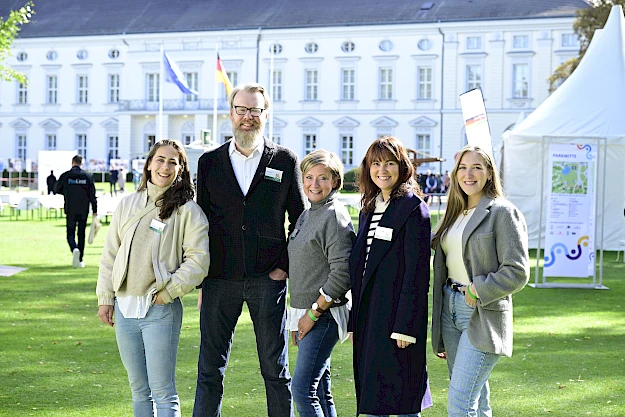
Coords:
pixel 390 272
pixel 480 260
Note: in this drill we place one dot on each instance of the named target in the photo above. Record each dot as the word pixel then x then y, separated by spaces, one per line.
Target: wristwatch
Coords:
pixel 318 309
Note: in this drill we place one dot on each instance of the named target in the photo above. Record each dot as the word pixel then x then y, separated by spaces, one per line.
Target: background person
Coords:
pixel 245 187
pixel 113 177
pixel 121 180
pixel 390 274
pixel 51 182
pixel 156 251
pixel 78 189
pixel 480 260
pixel 319 249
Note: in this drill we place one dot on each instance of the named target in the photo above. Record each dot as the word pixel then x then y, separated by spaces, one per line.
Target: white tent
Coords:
pixel 589 105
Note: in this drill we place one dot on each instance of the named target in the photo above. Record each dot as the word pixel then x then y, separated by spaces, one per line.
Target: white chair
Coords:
pixel 621 249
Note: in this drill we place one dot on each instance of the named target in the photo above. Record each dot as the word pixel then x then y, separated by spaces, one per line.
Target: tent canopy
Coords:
pixel 589 105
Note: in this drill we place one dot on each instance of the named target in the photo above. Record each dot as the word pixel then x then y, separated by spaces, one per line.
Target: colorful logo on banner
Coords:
pixel 569 240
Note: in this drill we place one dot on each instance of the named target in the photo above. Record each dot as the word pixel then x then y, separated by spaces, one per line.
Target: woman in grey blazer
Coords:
pixel 480 260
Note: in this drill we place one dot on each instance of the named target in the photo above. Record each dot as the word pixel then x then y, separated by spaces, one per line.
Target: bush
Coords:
pixel 350 180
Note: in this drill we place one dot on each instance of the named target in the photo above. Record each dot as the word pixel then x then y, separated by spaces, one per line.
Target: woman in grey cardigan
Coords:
pixel 481 259
pixel 319 250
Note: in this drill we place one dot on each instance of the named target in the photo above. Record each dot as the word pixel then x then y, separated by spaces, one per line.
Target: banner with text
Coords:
pixel 570 228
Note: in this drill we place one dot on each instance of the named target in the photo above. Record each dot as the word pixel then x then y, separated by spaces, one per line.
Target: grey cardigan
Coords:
pixel 497 262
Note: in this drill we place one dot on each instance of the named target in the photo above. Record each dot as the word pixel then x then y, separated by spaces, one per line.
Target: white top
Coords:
pixel 245 166
pixel 452 246
pixel 339 314
pixel 135 306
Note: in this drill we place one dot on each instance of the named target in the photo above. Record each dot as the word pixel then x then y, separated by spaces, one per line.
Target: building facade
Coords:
pixel 335 86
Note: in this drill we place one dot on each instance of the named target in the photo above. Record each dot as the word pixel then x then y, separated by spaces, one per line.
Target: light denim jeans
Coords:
pixel 311 385
pixel 469 368
pixel 398 415
pixel 148 349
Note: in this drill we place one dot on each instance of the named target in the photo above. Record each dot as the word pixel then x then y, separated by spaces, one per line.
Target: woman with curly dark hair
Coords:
pixel 156 251
pixel 390 273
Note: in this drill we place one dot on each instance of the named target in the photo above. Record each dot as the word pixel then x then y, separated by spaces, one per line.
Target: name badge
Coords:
pixel 384 233
pixel 157 226
pixel 273 174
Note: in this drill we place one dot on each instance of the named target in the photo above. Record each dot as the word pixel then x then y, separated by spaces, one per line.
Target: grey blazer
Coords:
pixel 495 256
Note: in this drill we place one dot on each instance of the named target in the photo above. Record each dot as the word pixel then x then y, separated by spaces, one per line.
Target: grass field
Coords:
pixel 57 360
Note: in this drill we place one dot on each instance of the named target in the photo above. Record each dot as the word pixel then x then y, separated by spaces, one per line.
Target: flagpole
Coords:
pixel 214 132
pixel 161 83
pixel 271 81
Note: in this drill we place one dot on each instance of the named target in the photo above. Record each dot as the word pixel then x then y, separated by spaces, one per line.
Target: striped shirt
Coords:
pixel 380 208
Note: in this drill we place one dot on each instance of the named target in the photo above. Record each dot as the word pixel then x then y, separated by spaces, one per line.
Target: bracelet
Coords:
pixel 470 293
pixel 312 316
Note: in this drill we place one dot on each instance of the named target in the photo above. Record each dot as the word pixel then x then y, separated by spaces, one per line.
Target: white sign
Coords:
pixel 570 240
pixel 475 120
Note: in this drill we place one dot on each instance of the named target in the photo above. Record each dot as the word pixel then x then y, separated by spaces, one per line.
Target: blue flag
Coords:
pixel 174 75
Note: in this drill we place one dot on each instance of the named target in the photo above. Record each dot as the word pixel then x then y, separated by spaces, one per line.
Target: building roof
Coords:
pixel 59 18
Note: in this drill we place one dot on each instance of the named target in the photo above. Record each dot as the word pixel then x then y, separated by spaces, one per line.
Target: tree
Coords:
pixel 9 29
pixel 586 22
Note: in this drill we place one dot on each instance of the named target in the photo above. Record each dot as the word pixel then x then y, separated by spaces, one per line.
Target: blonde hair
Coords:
pixel 250 88
pixel 457 200
pixel 329 160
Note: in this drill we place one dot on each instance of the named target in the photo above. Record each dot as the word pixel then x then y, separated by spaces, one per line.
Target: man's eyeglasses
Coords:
pixel 254 111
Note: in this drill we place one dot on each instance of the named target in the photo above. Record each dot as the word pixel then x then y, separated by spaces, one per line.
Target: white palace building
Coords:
pixel 344 72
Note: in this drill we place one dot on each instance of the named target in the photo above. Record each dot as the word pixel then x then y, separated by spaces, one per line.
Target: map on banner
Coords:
pixel 569 177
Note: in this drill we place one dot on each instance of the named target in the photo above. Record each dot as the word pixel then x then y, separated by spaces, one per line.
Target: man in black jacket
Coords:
pixel 78 189
pixel 51 182
pixel 245 187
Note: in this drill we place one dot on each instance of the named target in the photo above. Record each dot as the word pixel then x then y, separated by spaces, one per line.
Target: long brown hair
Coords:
pixel 385 149
pixel 457 200
pixel 181 189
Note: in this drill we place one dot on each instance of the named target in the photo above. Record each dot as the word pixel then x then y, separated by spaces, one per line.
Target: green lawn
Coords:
pixel 57 360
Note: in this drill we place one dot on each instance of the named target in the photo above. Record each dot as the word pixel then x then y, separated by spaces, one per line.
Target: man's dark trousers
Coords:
pixel 76 220
pixel 222 302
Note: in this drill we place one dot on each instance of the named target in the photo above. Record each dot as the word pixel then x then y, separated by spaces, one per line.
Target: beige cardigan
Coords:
pixel 180 254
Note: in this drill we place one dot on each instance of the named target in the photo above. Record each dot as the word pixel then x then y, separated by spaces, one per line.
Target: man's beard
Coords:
pixel 248 139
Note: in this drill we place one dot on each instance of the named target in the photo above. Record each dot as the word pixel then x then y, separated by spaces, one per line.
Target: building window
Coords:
pixel 233 76
pixel 52 89
pixel 114 54
pixel 21 147
pixel 312 84
pixel 81 144
pixel 386 83
pixel 152 87
pixel 275 49
pixel 521 41
pixel 474 77
pixel 113 146
pixel 348 84
pixel 347 150
pixel 187 138
pixel 570 40
pixel 22 93
pixel 385 45
pixel 82 54
pixel 424 81
pixel 424 143
pixel 424 44
pixel 348 46
pixel 50 142
pixel 22 56
pixel 474 42
pixel 276 138
pixel 83 89
pixel 192 82
pixel 311 47
pixel 520 76
pixel 276 85
pixel 113 88
pixel 51 56
pixel 310 143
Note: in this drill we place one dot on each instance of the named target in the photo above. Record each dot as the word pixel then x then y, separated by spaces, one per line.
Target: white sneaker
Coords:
pixel 76 258
pixel 82 264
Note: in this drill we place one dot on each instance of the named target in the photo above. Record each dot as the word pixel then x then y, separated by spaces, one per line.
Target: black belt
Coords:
pixel 455 286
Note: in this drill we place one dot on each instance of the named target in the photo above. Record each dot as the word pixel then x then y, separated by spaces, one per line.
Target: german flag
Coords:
pixel 222 76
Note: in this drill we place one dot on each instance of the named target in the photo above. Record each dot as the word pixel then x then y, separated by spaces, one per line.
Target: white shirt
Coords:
pixel 245 166
pixel 452 246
